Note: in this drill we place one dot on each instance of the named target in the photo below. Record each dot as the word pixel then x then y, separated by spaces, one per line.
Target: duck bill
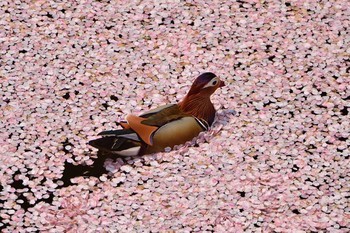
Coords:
pixel 222 84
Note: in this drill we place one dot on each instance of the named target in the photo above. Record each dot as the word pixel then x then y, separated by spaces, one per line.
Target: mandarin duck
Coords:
pixel 165 126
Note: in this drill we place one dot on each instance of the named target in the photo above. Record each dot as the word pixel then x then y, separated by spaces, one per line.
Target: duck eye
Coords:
pixel 212 83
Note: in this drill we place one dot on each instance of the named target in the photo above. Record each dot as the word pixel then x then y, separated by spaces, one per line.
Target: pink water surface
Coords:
pixel 275 160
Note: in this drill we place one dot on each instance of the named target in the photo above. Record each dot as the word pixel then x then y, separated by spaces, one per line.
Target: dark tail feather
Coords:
pixel 105 143
pixel 116 132
pixel 115 145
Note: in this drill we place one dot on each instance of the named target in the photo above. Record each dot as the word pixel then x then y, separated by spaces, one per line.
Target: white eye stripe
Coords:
pixel 212 83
